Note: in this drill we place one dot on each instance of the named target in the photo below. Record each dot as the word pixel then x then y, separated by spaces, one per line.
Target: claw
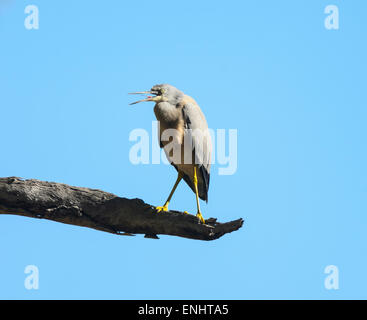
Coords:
pixel 200 217
pixel 163 208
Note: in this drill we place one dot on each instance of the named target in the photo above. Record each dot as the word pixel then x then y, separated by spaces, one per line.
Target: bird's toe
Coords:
pixel 161 208
pixel 200 217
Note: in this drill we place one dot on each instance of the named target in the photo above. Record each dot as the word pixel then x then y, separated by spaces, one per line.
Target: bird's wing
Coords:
pixel 196 129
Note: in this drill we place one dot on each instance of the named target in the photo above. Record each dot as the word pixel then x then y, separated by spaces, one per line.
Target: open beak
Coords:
pixel 149 98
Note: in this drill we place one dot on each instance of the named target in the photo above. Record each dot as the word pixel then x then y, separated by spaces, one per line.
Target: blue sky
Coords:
pixel 295 92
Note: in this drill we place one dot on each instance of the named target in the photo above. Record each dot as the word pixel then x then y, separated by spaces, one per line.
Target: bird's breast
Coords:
pixel 171 124
pixel 167 113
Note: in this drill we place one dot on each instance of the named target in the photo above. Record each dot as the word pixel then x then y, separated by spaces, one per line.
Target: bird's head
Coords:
pixel 161 93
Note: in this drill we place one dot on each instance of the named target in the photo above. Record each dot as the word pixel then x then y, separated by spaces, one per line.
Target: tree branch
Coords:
pixel 102 211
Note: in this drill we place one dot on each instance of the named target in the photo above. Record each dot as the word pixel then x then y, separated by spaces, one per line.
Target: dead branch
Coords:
pixel 102 211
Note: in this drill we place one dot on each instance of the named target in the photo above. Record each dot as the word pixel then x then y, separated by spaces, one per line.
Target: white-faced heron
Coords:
pixel 184 136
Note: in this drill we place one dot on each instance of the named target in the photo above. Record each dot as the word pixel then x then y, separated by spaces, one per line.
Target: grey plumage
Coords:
pixel 195 119
pixel 184 136
pixel 181 112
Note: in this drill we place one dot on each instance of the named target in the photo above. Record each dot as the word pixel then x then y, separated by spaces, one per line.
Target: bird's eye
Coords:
pixel 158 91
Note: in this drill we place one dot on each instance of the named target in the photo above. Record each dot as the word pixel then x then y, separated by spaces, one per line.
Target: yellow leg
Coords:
pixel 165 206
pixel 199 215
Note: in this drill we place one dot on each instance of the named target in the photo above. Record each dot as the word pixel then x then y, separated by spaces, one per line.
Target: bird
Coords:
pixel 184 135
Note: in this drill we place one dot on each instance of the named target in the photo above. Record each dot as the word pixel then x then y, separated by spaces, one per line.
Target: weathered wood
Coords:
pixel 102 211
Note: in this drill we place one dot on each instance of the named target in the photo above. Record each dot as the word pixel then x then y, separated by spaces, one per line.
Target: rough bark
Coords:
pixel 102 211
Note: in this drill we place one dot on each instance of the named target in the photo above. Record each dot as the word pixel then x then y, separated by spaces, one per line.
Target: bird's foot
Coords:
pixel 200 217
pixel 164 208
